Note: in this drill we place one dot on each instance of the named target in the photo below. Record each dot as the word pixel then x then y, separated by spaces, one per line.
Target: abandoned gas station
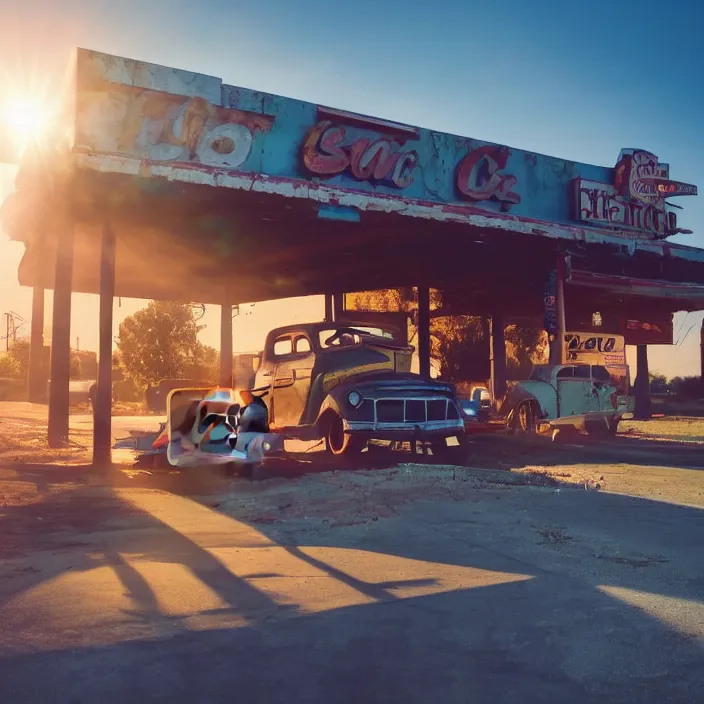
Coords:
pixel 165 184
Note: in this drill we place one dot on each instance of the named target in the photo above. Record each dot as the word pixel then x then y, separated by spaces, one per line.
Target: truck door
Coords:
pixel 294 359
pixel 576 391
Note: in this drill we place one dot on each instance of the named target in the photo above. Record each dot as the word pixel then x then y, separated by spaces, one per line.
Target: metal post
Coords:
pixel 35 383
pixel 557 346
pixel 102 413
pixel 701 348
pixel 424 330
pixel 328 308
pixel 338 306
pixel 642 386
pixel 61 339
pixel 226 344
pixel 497 356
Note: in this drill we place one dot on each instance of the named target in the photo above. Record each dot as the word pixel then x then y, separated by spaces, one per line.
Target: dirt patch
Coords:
pixel 24 441
pixel 554 536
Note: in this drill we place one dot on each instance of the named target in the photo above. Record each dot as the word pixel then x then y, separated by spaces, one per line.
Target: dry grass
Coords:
pixel 687 429
pixel 24 441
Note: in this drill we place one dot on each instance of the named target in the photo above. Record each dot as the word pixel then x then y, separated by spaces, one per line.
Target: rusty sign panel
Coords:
pixel 649 332
pixel 154 121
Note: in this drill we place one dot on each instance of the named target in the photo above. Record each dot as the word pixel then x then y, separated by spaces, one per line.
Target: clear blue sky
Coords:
pixel 579 80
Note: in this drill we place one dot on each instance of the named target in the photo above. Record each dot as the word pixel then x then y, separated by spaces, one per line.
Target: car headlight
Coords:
pixel 355 399
pixel 470 412
pixel 266 446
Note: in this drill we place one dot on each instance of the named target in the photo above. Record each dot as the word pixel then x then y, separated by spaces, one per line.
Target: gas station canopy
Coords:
pixel 214 190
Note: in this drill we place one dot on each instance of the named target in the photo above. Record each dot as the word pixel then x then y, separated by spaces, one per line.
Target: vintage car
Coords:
pixel 348 383
pixel 566 396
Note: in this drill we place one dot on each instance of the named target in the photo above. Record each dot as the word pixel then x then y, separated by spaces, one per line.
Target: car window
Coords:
pixel 601 374
pixel 582 372
pixel 566 373
pixel 283 346
pixel 301 345
pixel 327 334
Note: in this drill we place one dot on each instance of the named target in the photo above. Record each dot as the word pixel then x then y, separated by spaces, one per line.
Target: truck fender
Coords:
pixel 327 407
pixel 516 396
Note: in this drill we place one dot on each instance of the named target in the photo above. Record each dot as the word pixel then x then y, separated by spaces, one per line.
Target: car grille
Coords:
pixel 388 410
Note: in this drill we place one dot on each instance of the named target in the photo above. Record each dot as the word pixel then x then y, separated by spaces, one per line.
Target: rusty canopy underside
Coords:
pixel 187 230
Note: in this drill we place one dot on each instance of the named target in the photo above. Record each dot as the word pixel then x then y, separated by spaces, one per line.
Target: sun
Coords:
pixel 25 120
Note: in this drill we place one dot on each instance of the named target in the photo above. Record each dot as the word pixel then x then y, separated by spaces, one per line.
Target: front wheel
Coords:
pixel 524 420
pixel 341 444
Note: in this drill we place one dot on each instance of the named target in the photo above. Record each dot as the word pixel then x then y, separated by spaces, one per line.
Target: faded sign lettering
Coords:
pixel 599 204
pixel 325 153
pixel 636 200
pixel 479 176
pixel 639 175
pixel 165 127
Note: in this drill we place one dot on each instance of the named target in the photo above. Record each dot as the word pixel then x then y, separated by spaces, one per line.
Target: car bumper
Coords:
pixel 404 431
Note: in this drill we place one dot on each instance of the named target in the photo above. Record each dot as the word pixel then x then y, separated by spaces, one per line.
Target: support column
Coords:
pixel 102 413
pixel 328 308
pixel 701 348
pixel 338 306
pixel 61 339
pixel 424 330
pixel 36 383
pixel 557 346
pixel 642 385
pixel 497 356
pixel 226 379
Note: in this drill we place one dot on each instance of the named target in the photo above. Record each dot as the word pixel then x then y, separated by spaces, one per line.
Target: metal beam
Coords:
pixel 424 330
pixel 557 345
pixel 642 409
pixel 497 357
pixel 102 413
pixel 61 338
pixel 226 343
pixel 36 381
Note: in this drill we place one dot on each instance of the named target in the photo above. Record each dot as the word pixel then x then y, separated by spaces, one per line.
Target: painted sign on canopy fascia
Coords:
pixel 635 201
pixel 154 121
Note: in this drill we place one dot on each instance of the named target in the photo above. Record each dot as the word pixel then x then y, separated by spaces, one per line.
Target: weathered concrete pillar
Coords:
pixel 226 343
pixel 102 413
pixel 61 338
pixel 36 381
pixel 497 357
pixel 328 308
pixel 642 409
pixel 424 330
pixel 557 346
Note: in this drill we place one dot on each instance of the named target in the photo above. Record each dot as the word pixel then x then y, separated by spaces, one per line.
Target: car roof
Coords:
pixel 321 325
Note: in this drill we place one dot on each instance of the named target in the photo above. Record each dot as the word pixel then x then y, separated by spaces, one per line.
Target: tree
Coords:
pixel 161 342
pixel 459 343
pixel 9 369
pixel 19 352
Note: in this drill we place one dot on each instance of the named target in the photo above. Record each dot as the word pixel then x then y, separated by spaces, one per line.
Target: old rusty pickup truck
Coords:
pixel 348 384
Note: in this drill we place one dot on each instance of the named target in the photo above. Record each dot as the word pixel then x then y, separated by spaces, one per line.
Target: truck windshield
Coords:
pixel 329 337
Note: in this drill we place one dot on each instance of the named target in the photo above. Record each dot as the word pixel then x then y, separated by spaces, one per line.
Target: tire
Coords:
pixel 341 444
pixel 524 419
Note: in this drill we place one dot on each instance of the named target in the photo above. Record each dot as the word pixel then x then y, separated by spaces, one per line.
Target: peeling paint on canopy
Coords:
pixel 163 127
pixel 144 119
